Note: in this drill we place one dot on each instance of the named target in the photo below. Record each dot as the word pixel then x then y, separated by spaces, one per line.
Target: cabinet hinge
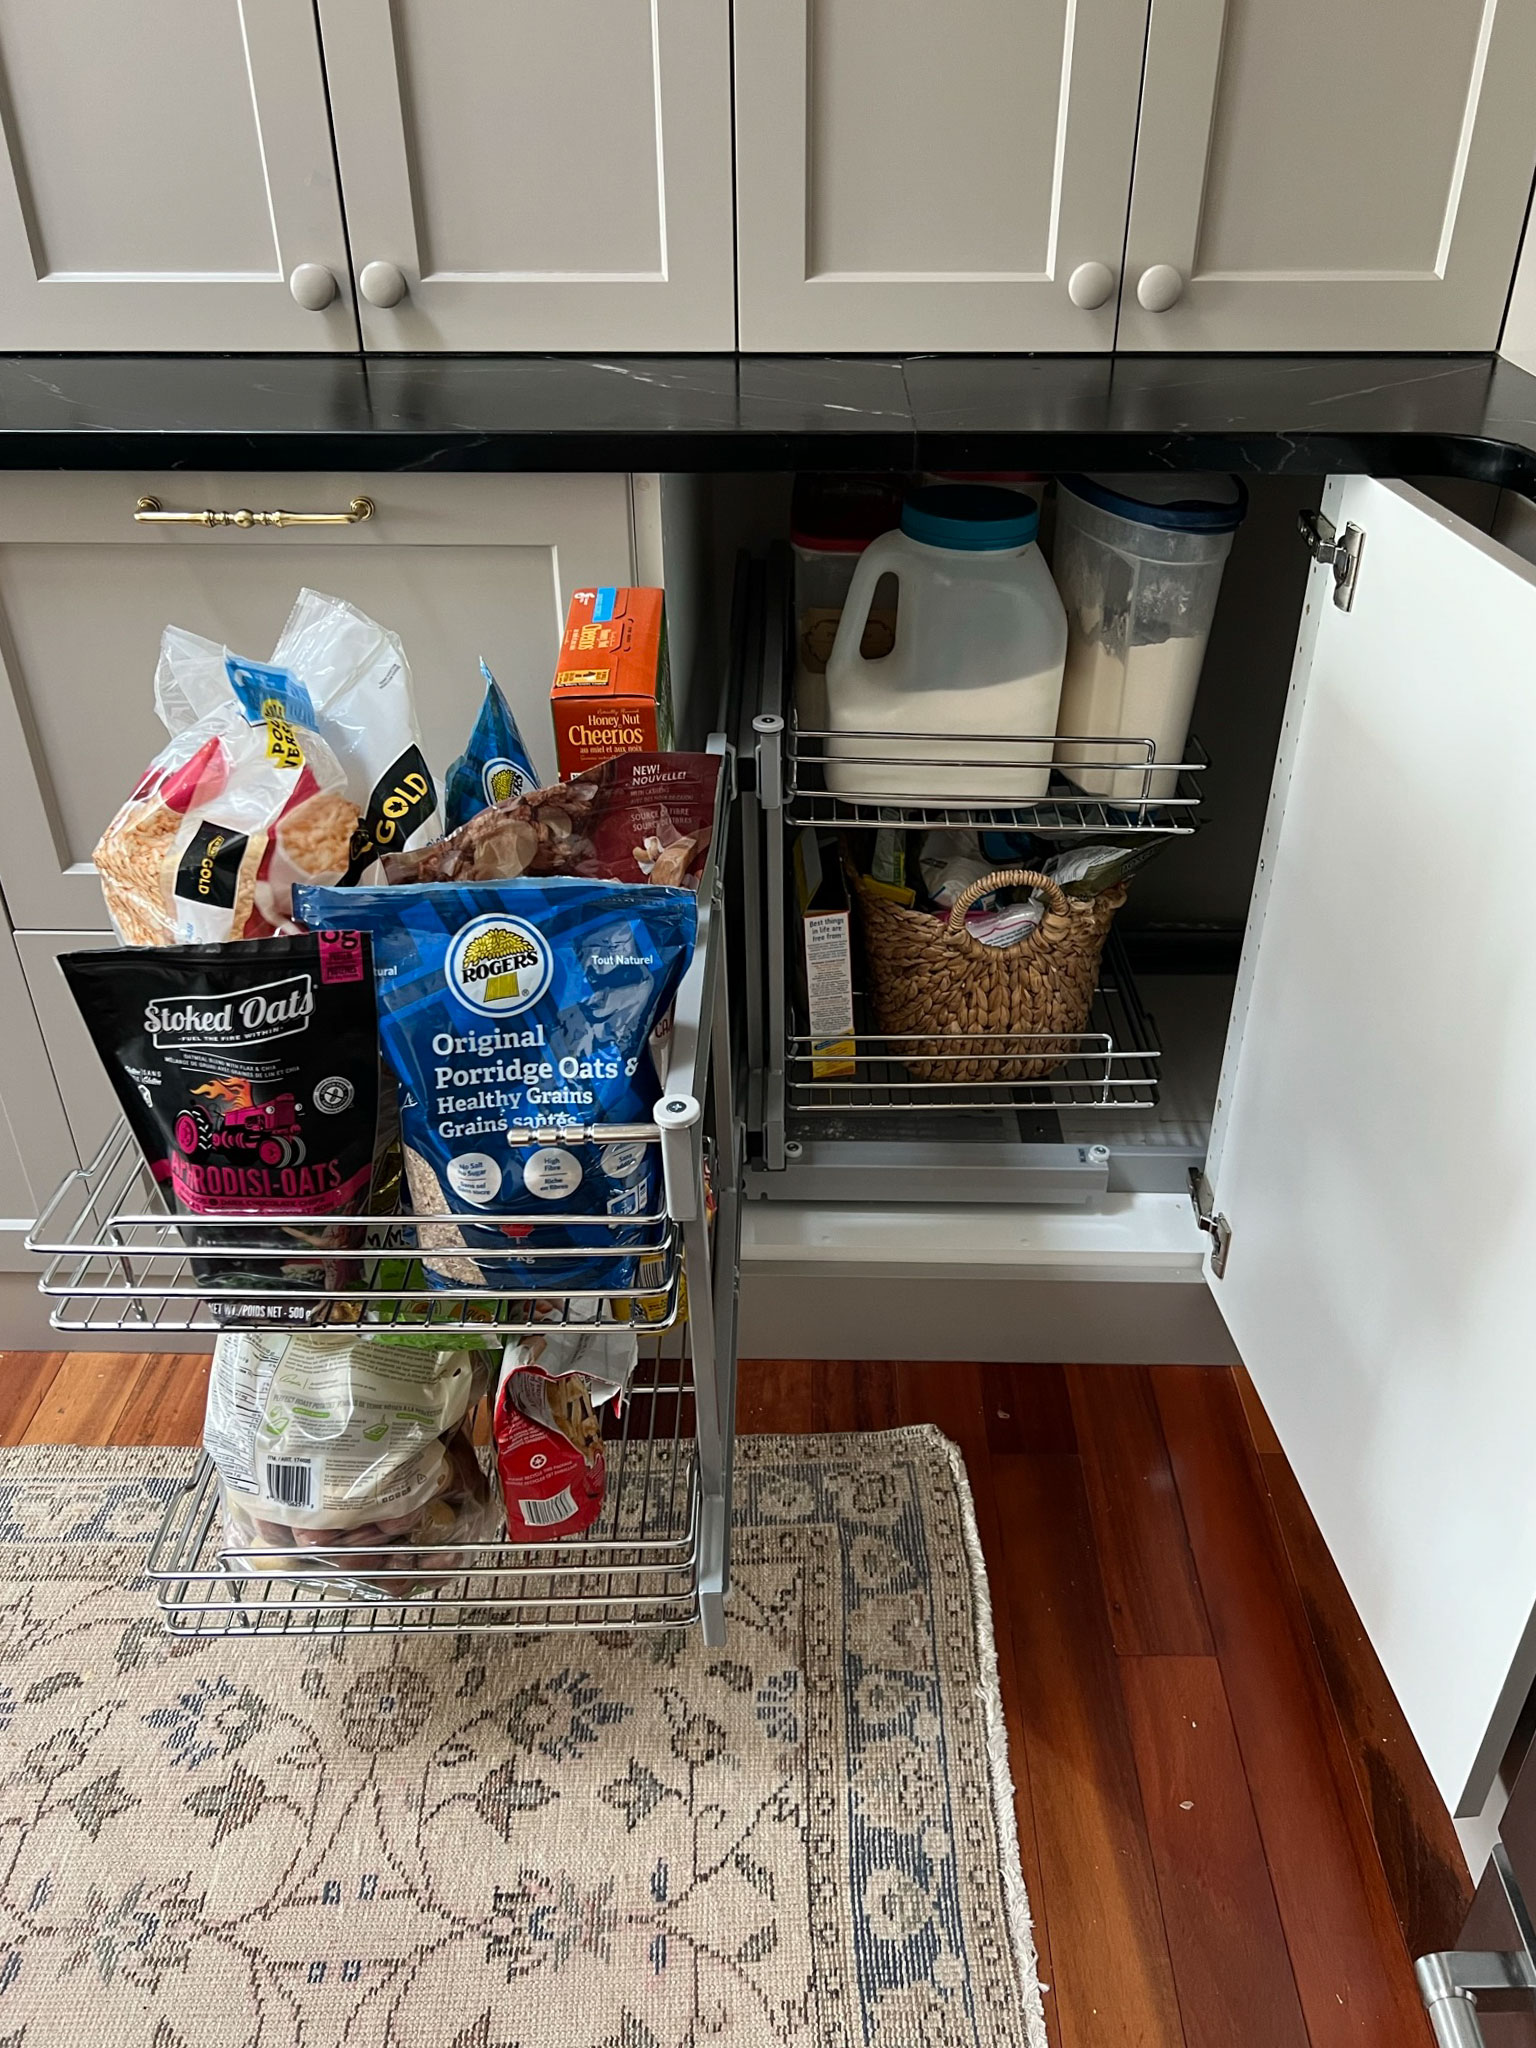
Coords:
pixel 1342 556
pixel 1218 1228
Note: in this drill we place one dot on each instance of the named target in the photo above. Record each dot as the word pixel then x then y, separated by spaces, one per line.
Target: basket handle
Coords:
pixel 1006 878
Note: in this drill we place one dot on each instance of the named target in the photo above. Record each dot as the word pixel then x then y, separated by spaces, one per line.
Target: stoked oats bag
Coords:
pixel 249 1075
pixel 494 768
pixel 512 1006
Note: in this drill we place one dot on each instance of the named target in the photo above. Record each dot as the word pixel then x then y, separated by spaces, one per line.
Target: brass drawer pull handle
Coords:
pixel 150 512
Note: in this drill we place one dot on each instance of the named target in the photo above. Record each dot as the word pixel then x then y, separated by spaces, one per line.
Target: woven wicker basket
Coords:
pixel 929 973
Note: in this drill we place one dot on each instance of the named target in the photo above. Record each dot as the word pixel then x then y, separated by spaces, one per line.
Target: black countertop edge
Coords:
pixel 1467 416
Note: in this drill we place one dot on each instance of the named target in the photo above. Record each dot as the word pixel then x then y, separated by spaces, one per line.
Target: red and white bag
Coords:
pixel 549 1443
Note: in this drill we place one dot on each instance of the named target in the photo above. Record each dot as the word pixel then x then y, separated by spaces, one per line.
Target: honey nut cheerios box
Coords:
pixel 612 692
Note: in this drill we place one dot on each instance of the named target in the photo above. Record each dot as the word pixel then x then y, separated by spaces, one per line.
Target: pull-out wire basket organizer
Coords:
pixel 118 1263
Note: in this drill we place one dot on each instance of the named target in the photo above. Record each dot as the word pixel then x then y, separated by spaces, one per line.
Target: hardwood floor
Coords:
pixel 1227 1831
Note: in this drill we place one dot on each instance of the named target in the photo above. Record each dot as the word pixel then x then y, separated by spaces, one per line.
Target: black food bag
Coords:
pixel 249 1074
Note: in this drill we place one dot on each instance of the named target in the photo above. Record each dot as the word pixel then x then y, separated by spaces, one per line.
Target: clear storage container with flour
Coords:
pixel 977 662
pixel 1138 562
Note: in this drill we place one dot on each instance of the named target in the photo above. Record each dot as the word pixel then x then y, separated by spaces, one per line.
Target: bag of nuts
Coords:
pixel 637 818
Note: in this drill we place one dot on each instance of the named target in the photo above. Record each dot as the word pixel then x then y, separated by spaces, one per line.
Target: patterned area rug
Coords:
pixel 478 1842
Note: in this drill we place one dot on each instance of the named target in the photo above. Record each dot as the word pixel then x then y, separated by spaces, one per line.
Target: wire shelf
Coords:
pixel 118 1261
pixel 1148 798
pixel 1112 1064
pixel 636 1567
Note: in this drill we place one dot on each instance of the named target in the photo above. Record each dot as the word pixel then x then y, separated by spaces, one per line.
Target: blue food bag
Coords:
pixel 509 1005
pixel 494 768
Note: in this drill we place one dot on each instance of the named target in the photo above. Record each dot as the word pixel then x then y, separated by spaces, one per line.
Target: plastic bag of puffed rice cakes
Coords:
pixel 505 1006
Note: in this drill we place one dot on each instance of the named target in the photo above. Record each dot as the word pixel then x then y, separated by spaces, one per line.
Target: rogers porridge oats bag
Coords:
pixel 512 1005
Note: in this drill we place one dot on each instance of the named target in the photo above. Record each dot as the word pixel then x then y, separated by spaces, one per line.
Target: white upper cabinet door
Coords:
pixel 1375 1148
pixel 536 174
pixel 167 179
pixel 1318 175
pixel 913 176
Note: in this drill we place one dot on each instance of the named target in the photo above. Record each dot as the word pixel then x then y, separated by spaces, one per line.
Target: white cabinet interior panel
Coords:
pixel 526 176
pixel 919 177
pixel 1518 338
pixel 1317 176
pixel 36 1148
pixel 167 169
pixel 1374 1144
pixel 89 1106
pixel 458 566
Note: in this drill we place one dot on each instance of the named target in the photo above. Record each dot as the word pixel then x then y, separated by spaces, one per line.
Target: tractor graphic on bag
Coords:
pixel 230 1120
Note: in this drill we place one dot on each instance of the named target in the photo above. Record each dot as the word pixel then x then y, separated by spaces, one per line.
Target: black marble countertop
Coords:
pixel 1469 416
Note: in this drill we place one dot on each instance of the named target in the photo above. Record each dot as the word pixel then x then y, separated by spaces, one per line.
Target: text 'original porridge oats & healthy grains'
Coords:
pixel 516 1006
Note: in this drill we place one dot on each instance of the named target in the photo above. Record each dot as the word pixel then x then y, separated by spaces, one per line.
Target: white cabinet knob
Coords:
pixel 1090 285
pixel 382 284
pixel 313 286
pixel 1159 288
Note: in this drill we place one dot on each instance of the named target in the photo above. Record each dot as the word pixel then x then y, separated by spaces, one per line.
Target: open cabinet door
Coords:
pixel 1374 1159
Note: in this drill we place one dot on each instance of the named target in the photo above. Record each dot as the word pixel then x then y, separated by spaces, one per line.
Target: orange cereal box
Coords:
pixel 612 692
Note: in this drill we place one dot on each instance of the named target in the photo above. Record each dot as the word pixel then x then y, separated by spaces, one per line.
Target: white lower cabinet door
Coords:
pixel 525 176
pixel 1318 176
pixel 912 176
pixel 1374 1156
pixel 166 179
pixel 458 566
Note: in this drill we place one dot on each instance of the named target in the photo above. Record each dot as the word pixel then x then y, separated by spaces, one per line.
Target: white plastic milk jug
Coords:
pixel 981 641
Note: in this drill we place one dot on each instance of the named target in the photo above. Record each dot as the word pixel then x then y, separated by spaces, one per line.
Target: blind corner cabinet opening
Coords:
pixel 1337 1103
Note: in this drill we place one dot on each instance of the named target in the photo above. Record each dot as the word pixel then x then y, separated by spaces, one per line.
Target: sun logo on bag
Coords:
pixel 503 782
pixel 498 966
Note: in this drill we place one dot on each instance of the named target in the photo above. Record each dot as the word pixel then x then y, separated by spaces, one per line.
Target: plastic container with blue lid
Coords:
pixel 973 519
pixel 1138 561
pixel 1172 503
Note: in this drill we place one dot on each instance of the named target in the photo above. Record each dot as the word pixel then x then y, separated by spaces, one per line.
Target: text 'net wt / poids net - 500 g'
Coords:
pixel 511 1006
